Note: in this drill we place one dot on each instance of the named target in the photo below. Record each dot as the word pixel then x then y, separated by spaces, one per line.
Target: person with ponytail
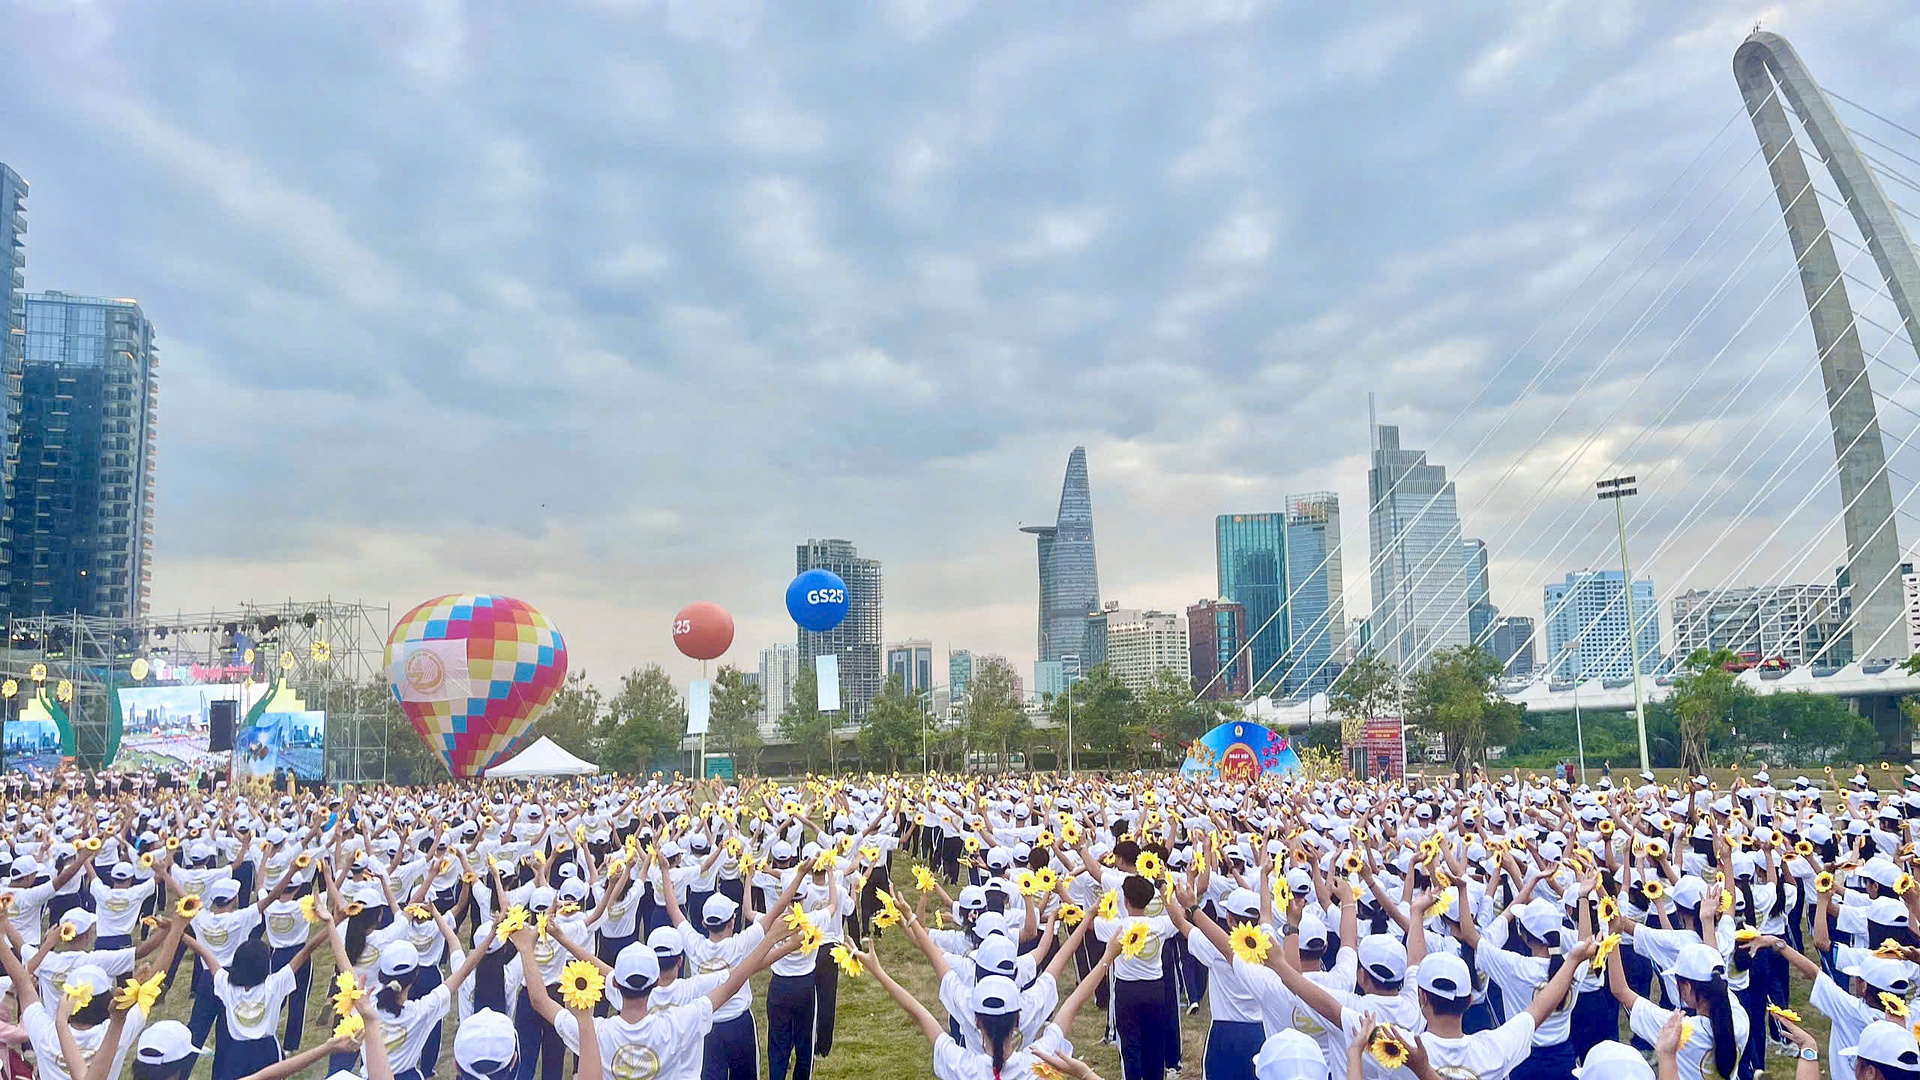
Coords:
pixel 1718 1030
pixel 1540 927
pixel 732 1050
pixel 251 991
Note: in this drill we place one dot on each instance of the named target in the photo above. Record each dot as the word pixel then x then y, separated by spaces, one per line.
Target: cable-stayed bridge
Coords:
pixel 1683 358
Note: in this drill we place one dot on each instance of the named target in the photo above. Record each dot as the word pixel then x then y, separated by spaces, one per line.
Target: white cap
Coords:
pixel 399 957
pixel 1242 902
pixel 224 891
pixel 1613 1061
pixel 1885 1043
pixel 92 976
pixel 80 919
pixel 998 954
pixel 1887 911
pixel 1698 963
pixel 719 909
pixel 1313 928
pixel 1445 975
pixel 996 995
pixel 1385 958
pixel 1290 1055
pixel 1542 919
pixel 166 1042
pixel 485 1038
pixel 636 968
pixel 665 942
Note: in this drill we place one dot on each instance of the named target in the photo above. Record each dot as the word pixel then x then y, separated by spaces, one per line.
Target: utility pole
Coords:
pixel 1615 490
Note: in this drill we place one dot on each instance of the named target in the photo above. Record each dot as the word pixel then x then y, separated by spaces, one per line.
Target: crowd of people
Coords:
pixel 1484 927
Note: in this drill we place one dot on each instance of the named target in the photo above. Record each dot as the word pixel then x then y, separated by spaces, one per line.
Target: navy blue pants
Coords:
pixel 296 1001
pixel 732 1051
pixel 113 941
pixel 1139 1014
pixel 424 983
pixel 1231 1047
pixel 538 1041
pixel 235 1058
pixel 1546 1063
pixel 790 1026
pixel 206 1007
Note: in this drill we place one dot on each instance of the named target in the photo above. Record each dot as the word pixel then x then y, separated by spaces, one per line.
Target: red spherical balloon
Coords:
pixel 703 630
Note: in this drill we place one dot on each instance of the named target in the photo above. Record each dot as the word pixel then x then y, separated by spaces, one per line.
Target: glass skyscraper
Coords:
pixel 856 641
pixel 1251 561
pixel 1216 637
pixel 1587 626
pixel 13 330
pixel 1316 610
pixel 912 663
pixel 83 489
pixel 1423 583
pixel 1069 581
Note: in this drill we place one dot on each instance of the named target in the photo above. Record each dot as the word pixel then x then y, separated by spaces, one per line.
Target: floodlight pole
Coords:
pixel 1614 490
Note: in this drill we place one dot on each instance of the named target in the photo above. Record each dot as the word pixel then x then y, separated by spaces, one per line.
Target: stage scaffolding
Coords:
pixel 328 651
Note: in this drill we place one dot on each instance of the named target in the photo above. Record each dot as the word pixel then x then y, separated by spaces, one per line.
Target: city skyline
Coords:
pixel 957 331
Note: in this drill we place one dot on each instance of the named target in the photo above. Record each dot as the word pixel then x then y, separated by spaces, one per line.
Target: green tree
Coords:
pixel 1103 712
pixel 802 723
pixel 1811 729
pixel 1704 696
pixel 1368 687
pixel 1169 719
pixel 645 721
pixel 1453 697
pixel 891 730
pixel 733 724
pixel 573 718
pixel 996 717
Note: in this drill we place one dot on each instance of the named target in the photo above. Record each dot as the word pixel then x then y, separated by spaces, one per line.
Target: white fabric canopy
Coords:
pixel 543 758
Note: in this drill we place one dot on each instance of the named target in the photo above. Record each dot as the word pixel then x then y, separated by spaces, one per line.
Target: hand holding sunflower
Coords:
pixel 581 985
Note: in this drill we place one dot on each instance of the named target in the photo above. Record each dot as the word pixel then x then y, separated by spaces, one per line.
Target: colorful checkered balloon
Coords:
pixel 473 672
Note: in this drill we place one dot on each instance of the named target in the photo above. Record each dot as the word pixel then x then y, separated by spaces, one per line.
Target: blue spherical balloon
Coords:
pixel 817 600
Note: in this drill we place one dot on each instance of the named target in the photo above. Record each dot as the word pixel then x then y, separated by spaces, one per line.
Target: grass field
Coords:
pixel 872 1037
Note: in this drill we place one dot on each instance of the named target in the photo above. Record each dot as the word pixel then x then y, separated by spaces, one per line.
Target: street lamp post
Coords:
pixel 1615 490
pixel 1071 679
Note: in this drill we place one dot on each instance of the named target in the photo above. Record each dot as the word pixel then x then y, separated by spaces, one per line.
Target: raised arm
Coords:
pixel 929 1027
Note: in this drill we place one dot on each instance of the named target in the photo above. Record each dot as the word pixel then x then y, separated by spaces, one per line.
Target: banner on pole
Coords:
pixel 699 706
pixel 826 670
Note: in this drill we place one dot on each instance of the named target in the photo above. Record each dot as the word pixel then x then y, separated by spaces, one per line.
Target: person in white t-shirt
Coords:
pixel 640 1040
pixel 251 992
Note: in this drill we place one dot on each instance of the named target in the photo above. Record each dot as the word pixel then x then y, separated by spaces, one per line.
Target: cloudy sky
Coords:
pixel 607 305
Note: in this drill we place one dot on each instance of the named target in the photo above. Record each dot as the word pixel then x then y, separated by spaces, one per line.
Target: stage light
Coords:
pixel 309 619
pixel 270 623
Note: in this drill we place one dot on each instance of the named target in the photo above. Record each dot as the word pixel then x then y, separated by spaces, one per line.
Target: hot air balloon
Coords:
pixel 473 672
pixel 703 631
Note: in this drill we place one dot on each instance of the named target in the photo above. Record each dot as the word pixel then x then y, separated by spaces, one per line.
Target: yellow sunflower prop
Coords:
pixel 1028 883
pixel 1133 940
pixel 1251 943
pixel 68 931
pixel 810 938
pixel 1823 882
pixel 351 1026
pixel 581 984
pixel 345 992
pixel 1071 914
pixel 1149 866
pixel 1607 945
pixel 187 906
pixel 1788 1015
pixel 922 878
pixel 514 921
pixel 1655 889
pixel 136 993
pixel 1893 1005
pixel 1387 1049
pixel 79 993
pixel 1109 906
pixel 848 963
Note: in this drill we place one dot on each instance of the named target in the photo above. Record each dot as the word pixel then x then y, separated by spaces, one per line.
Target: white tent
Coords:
pixel 543 758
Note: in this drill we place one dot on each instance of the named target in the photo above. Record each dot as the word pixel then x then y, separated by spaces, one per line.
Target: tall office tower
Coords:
pixel 987 660
pixel 1512 644
pixel 1316 609
pixel 779 671
pixel 959 674
pixel 1050 679
pixel 83 489
pixel 1422 581
pixel 1795 623
pixel 1216 642
pixel 1587 626
pixel 1250 559
pixel 856 641
pixel 13 332
pixel 1147 643
pixel 1069 581
pixel 912 663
